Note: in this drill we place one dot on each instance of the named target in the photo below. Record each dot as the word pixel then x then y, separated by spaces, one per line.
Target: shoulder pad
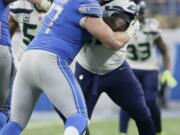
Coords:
pixel 21 6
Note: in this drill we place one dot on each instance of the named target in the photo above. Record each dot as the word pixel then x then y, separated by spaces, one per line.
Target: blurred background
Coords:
pixel 166 11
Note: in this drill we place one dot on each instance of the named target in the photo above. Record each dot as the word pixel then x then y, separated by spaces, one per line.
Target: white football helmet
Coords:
pixel 125 8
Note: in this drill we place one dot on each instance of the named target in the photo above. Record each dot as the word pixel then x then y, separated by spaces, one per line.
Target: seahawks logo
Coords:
pixel 111 10
pixel 134 9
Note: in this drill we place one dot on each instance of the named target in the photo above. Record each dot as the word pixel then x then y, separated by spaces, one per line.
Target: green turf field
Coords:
pixel 98 127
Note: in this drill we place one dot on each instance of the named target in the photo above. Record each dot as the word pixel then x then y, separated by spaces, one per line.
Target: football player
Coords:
pixel 99 69
pixel 46 63
pixel 5 62
pixel 28 21
pixel 6 59
pixel 144 62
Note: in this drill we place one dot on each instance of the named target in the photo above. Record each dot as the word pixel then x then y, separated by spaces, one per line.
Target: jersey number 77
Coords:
pixel 54 13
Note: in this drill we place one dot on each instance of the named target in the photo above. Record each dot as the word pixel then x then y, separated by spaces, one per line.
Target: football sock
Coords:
pixel 11 128
pixel 3 119
pixel 71 131
pixel 77 122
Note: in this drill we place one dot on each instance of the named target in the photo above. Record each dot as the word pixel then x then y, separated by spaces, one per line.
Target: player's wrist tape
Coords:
pixel 45 4
pixel 82 22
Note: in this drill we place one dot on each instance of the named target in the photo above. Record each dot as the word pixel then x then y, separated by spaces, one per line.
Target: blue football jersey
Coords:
pixel 4 26
pixel 61 30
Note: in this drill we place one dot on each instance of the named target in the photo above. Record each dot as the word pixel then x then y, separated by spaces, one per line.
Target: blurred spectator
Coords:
pixel 136 1
pixel 178 7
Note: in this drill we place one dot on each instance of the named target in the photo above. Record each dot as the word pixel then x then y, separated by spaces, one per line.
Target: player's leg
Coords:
pixel 89 83
pixel 18 50
pixel 123 122
pixel 127 93
pixel 63 90
pixel 24 97
pixel 90 86
pixel 5 82
pixel 151 93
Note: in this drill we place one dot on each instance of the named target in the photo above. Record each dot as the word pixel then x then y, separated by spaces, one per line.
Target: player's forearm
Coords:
pixel 166 62
pixel 166 58
pixel 113 40
pixel 101 31
pixel 164 52
pixel 122 38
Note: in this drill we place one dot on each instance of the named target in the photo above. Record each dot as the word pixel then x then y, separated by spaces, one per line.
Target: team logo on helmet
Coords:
pixel 133 9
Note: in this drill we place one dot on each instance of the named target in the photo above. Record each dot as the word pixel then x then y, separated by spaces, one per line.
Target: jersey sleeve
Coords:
pixel 12 13
pixel 90 8
pixel 20 7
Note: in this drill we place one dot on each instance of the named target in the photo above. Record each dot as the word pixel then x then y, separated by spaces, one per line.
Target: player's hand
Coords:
pixel 44 4
pixel 167 77
pixel 133 28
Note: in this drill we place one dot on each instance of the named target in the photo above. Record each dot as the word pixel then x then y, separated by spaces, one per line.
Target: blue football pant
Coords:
pixel 149 82
pixel 123 88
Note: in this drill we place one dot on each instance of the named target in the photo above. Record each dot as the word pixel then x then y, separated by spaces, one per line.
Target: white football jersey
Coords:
pixel 141 51
pixel 29 21
pixel 100 60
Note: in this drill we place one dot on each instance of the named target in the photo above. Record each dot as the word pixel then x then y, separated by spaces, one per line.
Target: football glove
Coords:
pixel 167 77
